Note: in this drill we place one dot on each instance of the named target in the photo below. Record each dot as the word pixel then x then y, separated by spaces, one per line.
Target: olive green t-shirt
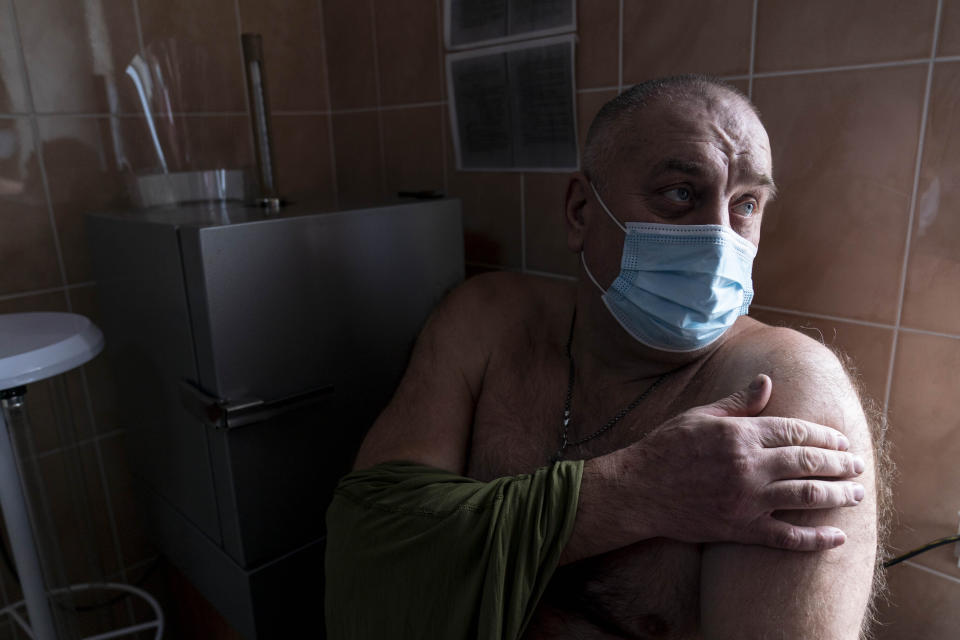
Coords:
pixel 418 552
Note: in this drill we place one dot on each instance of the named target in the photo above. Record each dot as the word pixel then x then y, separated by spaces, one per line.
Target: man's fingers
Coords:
pixel 782 535
pixel 812 494
pixel 786 432
pixel 749 401
pixel 807 462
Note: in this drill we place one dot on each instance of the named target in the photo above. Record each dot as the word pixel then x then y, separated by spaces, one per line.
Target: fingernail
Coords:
pixel 858 464
pixel 844 443
pixel 839 537
pixel 858 492
pixel 757 383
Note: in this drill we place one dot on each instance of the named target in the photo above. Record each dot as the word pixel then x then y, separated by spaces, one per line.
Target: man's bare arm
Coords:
pixel 663 486
pixel 757 592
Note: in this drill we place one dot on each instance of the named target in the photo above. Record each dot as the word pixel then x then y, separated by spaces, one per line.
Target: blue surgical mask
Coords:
pixel 680 286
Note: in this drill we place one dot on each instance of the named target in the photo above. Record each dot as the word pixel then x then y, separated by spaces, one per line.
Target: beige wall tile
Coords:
pixel 197 46
pixel 77 54
pixel 408 56
pixel 922 606
pixel 28 258
pixel 844 148
pixel 75 493
pixel 924 424
pixel 13 91
pixel 301 147
pixel 294 68
pixel 58 420
pixel 546 241
pixel 868 347
pixel 356 139
pixel 214 142
pixel 742 85
pixel 83 176
pixel 101 380
pixel 949 42
pixel 598 48
pixel 51 301
pixel 932 297
pixel 685 36
pixel 825 33
pixel 134 544
pixel 490 209
pixel 413 149
pixel 491 216
pixel 350 53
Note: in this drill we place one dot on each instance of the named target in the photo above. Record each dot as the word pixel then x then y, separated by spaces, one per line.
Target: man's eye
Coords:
pixel 679 194
pixel 747 208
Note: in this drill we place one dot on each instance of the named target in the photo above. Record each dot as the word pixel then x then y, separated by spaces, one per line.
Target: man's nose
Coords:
pixel 715 210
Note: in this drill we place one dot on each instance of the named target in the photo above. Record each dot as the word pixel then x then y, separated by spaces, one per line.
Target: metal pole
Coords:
pixel 17 517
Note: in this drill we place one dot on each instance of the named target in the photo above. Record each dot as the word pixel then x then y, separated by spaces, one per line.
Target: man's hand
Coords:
pixel 718 473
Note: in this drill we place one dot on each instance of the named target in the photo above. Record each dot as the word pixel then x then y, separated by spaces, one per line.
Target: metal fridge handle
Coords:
pixel 230 414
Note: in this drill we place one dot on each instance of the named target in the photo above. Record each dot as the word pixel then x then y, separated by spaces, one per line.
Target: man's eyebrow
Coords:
pixel 697 170
pixel 765 181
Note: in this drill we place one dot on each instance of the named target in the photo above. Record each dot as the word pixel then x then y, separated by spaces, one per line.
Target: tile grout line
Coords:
pixel 38 150
pixel 550 274
pixel 856 321
pixel 376 77
pixel 40 292
pixel 940 574
pixel 753 50
pixel 846 67
pixel 523 223
pixel 321 112
pixel 620 48
pixel 83 442
pixel 443 79
pixel 597 89
pixel 821 316
pixel 326 83
pixel 913 207
pixel 205 114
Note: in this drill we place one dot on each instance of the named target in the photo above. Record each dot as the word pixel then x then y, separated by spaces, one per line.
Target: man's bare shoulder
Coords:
pixel 783 347
pixel 806 369
pixel 492 305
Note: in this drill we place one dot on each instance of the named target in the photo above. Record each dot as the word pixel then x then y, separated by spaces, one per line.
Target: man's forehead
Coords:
pixel 699 130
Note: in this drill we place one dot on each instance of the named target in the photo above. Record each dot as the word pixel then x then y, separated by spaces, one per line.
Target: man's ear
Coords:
pixel 574 210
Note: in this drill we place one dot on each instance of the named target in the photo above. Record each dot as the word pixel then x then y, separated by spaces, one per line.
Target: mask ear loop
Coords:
pixel 583 260
pixel 604 205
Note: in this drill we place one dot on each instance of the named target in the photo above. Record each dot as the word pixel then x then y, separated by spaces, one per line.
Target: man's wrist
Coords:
pixel 609 513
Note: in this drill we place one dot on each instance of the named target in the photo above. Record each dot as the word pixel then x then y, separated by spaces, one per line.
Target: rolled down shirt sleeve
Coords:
pixel 418 552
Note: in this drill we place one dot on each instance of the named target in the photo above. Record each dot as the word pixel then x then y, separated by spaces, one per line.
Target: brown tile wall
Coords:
pixel 862 248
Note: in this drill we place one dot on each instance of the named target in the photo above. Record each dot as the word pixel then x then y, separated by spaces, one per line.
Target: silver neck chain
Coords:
pixel 565 425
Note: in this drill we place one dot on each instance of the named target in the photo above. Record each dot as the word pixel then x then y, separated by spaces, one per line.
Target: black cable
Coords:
pixel 930 545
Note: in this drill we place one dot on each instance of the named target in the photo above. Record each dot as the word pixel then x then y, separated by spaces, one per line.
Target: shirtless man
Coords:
pixel 674 535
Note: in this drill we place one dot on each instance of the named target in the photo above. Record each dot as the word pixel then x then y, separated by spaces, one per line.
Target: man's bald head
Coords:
pixel 610 129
